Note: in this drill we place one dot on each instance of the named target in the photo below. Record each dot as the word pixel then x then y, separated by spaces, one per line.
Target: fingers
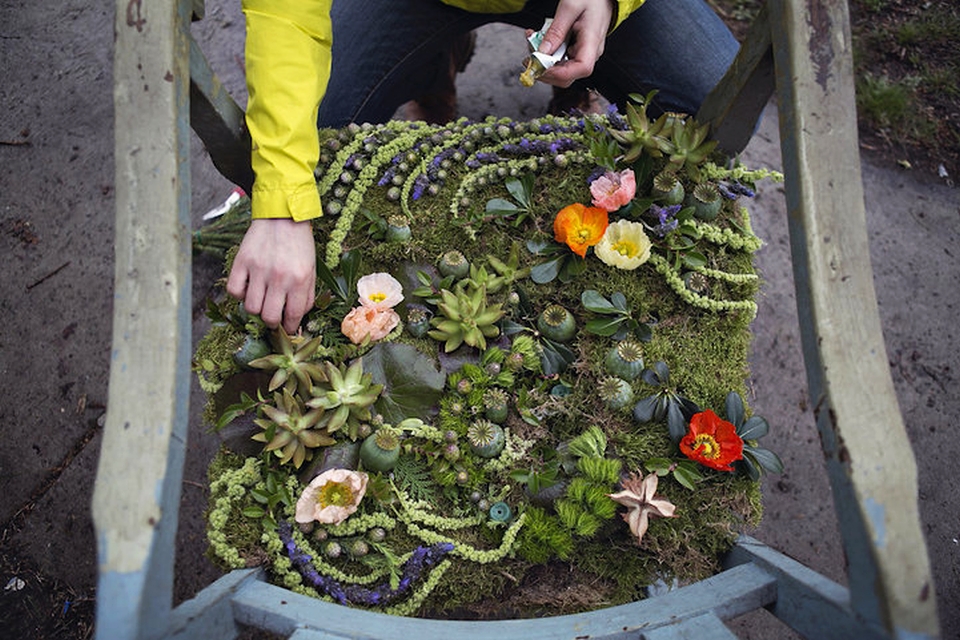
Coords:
pixel 584 25
pixel 274 272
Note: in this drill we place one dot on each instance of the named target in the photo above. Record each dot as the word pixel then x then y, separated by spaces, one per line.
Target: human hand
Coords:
pixel 588 22
pixel 275 272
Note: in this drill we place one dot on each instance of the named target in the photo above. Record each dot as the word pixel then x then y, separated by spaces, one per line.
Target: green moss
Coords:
pixel 441 494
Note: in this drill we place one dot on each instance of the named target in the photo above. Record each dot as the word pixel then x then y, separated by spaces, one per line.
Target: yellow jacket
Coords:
pixel 288 65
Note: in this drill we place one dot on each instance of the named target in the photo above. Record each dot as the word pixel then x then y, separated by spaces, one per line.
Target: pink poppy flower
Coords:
pixel 370 321
pixel 613 190
pixel 332 496
pixel 379 291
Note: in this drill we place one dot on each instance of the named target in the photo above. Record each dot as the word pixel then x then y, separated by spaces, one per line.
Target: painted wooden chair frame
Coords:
pixel 800 47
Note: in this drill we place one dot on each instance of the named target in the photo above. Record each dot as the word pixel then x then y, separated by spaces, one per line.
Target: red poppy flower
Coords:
pixel 712 442
pixel 580 227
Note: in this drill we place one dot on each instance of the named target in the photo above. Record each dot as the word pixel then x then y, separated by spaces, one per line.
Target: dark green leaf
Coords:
pixel 644 409
pixel 540 246
pixel 260 496
pixel 329 280
pixel 663 371
pixel 754 428
pixel 547 271
pixel 734 409
pixel 594 301
pixel 424 278
pixel 572 267
pixel 643 332
pixel 676 423
pixel 765 458
pixel 350 266
pixel 687 474
pixel 555 357
pixel 412 386
pixel 650 377
pixel 604 326
pixel 619 301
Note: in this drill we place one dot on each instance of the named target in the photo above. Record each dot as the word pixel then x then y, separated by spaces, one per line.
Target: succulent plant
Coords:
pixel 347 394
pixel 557 323
pixel 289 432
pixel 688 146
pixel 294 365
pixel 665 403
pixel 465 318
pixel 486 438
pixel 642 135
pixel 625 360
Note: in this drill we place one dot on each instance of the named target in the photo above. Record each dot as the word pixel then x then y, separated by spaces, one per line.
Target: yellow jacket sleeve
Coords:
pixel 287 65
pixel 625 8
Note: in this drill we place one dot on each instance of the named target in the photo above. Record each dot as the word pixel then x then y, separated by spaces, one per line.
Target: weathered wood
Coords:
pixel 219 122
pixel 733 107
pixel 812 605
pixel 136 497
pixel 872 471
pixel 726 595
pixel 209 614
pixel 703 627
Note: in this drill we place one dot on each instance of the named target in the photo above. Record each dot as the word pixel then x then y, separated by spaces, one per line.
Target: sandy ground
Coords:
pixel 56 231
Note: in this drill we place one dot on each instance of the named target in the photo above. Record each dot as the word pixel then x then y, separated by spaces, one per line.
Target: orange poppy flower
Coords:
pixel 580 227
pixel 712 442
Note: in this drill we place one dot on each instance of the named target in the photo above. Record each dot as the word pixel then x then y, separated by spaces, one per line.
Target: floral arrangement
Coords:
pixel 524 339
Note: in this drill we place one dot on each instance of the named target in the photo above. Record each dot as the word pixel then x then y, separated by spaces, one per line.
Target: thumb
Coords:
pixel 556 33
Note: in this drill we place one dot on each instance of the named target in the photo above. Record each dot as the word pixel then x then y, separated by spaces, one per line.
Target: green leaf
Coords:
pixel 350 266
pixel 326 276
pixel 734 409
pixel 687 475
pixel 260 496
pixel 643 332
pixel 604 326
pixel 660 466
pixel 254 512
pixel 594 301
pixel 555 357
pixel 676 423
pixel 754 428
pixel 519 192
pixel 412 386
pixel 501 207
pixel 572 267
pixel 619 301
pixel 546 271
pixel 765 458
pixel 694 259
pixel 644 409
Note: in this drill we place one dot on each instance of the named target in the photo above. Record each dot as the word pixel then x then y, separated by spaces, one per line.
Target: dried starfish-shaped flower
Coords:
pixel 639 496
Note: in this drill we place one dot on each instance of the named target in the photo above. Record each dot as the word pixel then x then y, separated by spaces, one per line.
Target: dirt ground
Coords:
pixel 56 239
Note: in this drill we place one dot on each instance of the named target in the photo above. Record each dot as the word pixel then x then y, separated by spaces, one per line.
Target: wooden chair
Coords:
pixel 803 47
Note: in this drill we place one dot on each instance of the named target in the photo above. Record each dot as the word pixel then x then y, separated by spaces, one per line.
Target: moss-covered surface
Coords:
pixel 440 180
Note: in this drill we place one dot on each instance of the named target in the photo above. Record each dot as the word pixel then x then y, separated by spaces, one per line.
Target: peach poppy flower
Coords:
pixel 379 291
pixel 332 496
pixel 580 227
pixel 369 321
pixel 613 190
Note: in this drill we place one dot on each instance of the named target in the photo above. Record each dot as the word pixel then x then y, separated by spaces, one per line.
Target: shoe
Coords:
pixel 575 100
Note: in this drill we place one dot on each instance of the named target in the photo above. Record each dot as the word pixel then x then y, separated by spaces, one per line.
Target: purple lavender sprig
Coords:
pixel 666 217
pixel 379 595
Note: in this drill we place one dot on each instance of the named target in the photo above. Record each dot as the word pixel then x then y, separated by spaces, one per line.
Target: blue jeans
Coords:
pixel 386 52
